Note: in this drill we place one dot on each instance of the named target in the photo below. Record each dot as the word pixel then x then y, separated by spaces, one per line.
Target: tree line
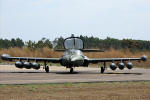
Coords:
pixel 6 44
pixel 89 43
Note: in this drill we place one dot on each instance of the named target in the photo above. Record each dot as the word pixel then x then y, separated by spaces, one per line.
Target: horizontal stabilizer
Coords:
pixel 83 50
pixel 60 50
pixel 92 50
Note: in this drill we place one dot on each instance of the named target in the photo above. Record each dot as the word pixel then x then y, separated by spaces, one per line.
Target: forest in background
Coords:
pixel 89 43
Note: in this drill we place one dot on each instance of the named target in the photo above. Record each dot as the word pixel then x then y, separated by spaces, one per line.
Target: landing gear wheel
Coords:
pixel 102 69
pixel 47 69
pixel 71 70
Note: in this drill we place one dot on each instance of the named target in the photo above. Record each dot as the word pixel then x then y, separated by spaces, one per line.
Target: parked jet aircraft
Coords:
pixel 72 57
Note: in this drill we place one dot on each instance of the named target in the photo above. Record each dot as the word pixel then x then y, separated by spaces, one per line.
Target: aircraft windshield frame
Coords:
pixel 73 43
pixel 73 52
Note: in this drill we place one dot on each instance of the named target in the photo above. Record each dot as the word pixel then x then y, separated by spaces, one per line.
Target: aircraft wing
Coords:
pixel 53 60
pixel 97 60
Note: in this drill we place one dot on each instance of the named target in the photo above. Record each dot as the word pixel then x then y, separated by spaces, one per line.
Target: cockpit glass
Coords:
pixel 73 43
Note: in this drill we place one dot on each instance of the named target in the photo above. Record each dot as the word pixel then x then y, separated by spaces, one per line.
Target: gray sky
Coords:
pixel 34 19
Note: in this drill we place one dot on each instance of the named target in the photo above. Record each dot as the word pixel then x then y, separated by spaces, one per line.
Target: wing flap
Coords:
pixel 96 60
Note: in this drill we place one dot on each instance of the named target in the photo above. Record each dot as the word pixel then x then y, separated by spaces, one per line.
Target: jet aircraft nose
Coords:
pixel 77 60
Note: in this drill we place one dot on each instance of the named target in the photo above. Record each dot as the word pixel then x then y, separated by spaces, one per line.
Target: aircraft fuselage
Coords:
pixel 72 58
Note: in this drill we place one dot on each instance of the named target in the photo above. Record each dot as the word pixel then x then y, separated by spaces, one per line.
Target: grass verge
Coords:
pixel 78 91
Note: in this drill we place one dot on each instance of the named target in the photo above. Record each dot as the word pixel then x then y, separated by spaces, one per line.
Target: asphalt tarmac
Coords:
pixel 9 74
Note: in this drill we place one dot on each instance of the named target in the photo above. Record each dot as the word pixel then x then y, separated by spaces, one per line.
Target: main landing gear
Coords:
pixel 46 67
pixel 103 68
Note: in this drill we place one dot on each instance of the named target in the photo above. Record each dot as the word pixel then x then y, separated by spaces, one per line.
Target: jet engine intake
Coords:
pixel 129 65
pixel 113 66
pixel 27 65
pixel 35 65
pixel 121 66
pixel 19 64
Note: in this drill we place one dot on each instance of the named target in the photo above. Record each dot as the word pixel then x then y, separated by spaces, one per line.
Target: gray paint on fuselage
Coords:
pixel 72 58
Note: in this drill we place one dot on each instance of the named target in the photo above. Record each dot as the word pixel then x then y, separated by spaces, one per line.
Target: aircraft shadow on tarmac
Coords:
pixel 124 73
pixel 81 72
pixel 98 73
pixel 22 72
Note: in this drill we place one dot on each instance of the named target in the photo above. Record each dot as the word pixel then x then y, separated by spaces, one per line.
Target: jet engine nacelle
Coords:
pixel 129 65
pixel 86 63
pixel 113 66
pixel 144 58
pixel 27 65
pixel 19 64
pixel 35 65
pixel 121 66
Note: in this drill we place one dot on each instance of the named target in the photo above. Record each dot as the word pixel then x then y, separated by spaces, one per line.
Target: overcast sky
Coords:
pixel 34 19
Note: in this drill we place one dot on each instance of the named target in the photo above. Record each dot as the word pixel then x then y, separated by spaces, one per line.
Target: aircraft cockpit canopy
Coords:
pixel 73 43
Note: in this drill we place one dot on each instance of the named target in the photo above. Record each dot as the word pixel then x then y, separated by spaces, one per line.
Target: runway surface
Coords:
pixel 9 74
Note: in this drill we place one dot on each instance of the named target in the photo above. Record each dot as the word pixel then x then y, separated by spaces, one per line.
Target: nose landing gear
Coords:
pixel 71 70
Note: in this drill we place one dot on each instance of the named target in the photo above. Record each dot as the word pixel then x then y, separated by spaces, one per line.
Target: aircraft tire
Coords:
pixel 47 69
pixel 102 69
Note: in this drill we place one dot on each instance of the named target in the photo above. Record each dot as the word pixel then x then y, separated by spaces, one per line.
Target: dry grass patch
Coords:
pixel 81 91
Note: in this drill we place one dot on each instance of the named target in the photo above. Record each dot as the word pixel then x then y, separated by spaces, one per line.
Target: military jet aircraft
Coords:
pixel 72 57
